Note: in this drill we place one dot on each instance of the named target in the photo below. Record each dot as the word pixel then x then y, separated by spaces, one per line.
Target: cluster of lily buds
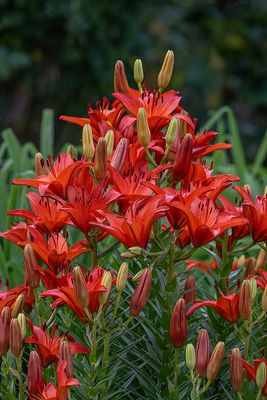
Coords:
pixel 12 332
pixel 199 361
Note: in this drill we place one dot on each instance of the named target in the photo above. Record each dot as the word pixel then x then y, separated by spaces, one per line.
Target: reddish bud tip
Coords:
pixel 119 155
pixel 202 353
pixel 120 79
pixel 15 338
pixel 65 355
pixel 34 377
pixel 215 361
pixel 30 264
pixel 190 289
pixel 141 293
pixel 245 300
pixel 178 324
pixel 182 159
pixel 80 287
pixel 236 370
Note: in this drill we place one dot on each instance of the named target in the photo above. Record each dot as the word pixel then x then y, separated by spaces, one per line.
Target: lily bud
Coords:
pixel 15 338
pixel 100 159
pixel 264 300
pixel 143 131
pixel 166 71
pixel 120 79
pixel 35 380
pixel 236 370
pixel 135 250
pixel 122 277
pixel 215 361
pixel 138 72
pixel 171 131
pixel 178 324
pixel 261 260
pixel 107 282
pixel 5 319
pixel 190 289
pixel 253 287
pixel 138 275
pixel 65 355
pixel 71 150
pixel 88 142
pixel 30 264
pixel 22 323
pixel 127 254
pixel 109 138
pixel 40 168
pixel 245 300
pixel 190 356
pixel 250 267
pixel 80 288
pixel 202 353
pixel 18 305
pixel 182 159
pixel 241 261
pixel 119 155
pixel 261 375
pixel 141 293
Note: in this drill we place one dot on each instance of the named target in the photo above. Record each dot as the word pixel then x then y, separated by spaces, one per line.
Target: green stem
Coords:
pixel 259 394
pixel 37 306
pixel 19 369
pixel 205 388
pixel 150 158
pixel 239 395
pixel 117 302
pixel 92 358
pixel 247 340
pixel 176 367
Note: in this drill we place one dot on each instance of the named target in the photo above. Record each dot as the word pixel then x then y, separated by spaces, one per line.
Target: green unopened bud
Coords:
pixel 253 287
pixel 22 323
pixel 18 305
pixel 107 282
pixel 171 131
pixel 109 138
pixel 122 277
pixel 138 275
pixel 71 150
pixel 135 250
pixel 127 254
pixel 166 71
pixel 261 375
pixel 190 356
pixel 138 72
pixel 88 143
pixel 261 260
pixel 143 131
pixel 264 300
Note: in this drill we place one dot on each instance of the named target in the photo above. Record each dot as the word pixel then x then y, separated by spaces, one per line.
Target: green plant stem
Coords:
pixel 5 371
pixel 116 306
pixel 150 158
pixel 247 340
pixel 20 379
pixel 205 388
pixel 92 358
pixel 242 249
pixel 239 395
pixel 37 306
pixel 176 367
pixel 259 394
pixel 262 315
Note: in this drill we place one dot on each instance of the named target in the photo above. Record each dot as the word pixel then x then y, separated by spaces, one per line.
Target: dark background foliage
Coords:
pixel 61 54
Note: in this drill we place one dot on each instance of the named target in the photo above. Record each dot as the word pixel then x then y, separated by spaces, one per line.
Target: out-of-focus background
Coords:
pixel 61 54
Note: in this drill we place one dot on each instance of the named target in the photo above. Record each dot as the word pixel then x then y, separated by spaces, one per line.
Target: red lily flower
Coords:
pixel 159 107
pixel 57 176
pixel 206 220
pixel 256 213
pixel 86 203
pixel 47 214
pixel 18 233
pixel 131 187
pixel 48 346
pixel 52 281
pixel 252 371
pixel 9 296
pixel 133 229
pixel 55 252
pixel 262 280
pixel 66 295
pixel 226 306
pixel 51 392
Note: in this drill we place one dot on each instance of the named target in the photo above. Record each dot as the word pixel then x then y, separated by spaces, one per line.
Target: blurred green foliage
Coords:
pixel 60 54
